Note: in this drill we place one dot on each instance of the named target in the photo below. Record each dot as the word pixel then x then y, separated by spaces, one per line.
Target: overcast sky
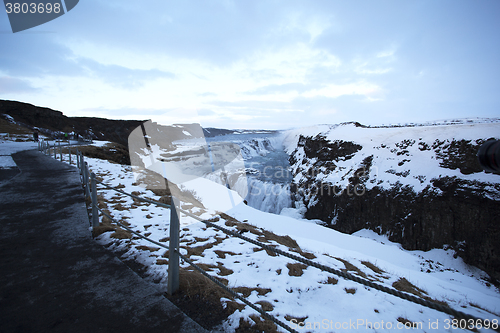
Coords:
pixel 260 64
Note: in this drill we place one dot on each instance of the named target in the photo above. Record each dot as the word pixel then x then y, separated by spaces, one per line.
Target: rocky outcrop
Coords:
pixel 52 122
pixel 449 211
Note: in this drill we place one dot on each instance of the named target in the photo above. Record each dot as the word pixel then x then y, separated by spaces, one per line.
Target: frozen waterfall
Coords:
pixel 266 185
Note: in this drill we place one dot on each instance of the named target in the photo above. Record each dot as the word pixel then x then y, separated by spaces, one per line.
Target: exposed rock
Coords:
pixel 448 211
pixel 51 122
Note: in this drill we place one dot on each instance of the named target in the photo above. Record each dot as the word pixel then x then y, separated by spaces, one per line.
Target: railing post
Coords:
pixel 86 180
pixel 55 151
pixel 60 150
pixel 78 159
pixel 173 248
pixel 69 151
pixel 95 214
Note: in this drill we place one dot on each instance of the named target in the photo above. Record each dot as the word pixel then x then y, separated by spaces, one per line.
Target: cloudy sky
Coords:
pixel 260 63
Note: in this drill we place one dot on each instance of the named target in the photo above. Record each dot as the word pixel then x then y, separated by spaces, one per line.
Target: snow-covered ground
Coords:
pixel 8 147
pixel 399 154
pixel 308 299
pixel 289 292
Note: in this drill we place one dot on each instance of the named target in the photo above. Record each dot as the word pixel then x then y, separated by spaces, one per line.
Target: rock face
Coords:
pixel 421 191
pixel 54 122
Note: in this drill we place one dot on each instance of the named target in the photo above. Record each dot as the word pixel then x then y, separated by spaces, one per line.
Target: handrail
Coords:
pixel 394 292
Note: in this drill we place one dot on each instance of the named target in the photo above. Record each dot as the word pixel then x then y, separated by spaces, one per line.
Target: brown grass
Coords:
pixel 193 283
pixel 298 319
pixel 222 254
pixel 331 280
pixel 258 325
pixel 198 250
pixel 265 236
pixel 481 308
pixel 112 152
pixel 295 269
pixel 408 323
pixel 350 290
pixel 373 267
pixel 223 270
pixel 246 291
pixel 351 268
pixel 404 285
pixel 147 248
pixel 265 305
pixel 8 127
pixel 121 234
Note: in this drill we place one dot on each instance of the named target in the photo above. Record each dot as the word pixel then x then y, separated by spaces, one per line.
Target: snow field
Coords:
pixel 390 159
pixel 326 306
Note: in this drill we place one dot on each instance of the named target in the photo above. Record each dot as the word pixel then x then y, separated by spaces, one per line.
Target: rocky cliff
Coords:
pixel 420 186
pixel 52 122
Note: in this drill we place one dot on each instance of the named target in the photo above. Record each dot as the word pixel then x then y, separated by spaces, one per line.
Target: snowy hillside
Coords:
pixel 290 291
pixel 411 156
pixel 420 186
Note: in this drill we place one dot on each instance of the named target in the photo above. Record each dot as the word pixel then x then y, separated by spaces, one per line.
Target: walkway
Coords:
pixel 54 276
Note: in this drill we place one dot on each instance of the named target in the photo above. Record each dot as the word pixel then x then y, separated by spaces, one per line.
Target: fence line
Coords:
pixel 174 253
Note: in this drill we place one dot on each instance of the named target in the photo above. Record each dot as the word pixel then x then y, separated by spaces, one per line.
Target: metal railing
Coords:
pixel 90 189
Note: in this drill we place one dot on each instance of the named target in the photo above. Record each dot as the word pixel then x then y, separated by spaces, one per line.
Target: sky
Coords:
pixel 260 64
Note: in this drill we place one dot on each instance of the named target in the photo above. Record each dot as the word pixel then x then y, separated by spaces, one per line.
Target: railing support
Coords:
pixel 86 180
pixel 173 257
pixel 95 214
pixel 55 151
pixel 78 160
pixel 69 151
pixel 60 150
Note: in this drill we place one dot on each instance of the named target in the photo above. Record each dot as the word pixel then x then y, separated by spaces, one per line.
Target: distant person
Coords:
pixel 35 135
pixel 66 137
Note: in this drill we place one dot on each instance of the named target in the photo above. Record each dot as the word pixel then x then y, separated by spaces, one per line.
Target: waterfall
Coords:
pixel 264 196
pixel 257 183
